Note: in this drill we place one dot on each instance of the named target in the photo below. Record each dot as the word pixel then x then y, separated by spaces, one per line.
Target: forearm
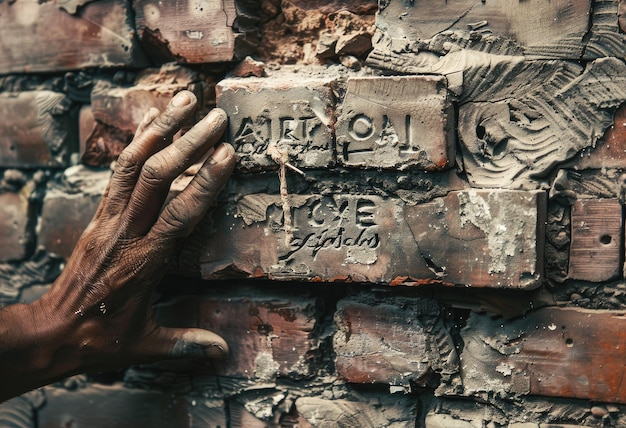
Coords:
pixel 33 351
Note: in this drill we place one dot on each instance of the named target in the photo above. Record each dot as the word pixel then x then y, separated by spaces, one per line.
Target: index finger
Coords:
pixel 153 134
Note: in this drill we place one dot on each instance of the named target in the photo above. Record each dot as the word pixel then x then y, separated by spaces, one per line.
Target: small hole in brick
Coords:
pixel 480 131
pixel 569 342
pixel 12 147
pixel 605 239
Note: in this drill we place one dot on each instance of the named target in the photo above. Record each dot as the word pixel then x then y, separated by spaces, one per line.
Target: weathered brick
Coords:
pixel 269 333
pixel 596 235
pixel 14 211
pixel 557 352
pixel 610 150
pixel 125 106
pixel 397 341
pixel 479 238
pixel 558 29
pixel 375 410
pixel 66 212
pixel 396 122
pixel 100 406
pixel 295 113
pixel 38 129
pixel 53 36
pixel 489 238
pixel 195 31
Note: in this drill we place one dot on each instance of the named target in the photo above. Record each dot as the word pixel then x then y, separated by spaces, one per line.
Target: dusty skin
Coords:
pixel 98 315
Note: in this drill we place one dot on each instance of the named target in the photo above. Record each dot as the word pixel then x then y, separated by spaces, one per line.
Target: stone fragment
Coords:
pixel 560 29
pixel 37 129
pixel 196 31
pixel 127 408
pixel 14 213
pixel 44 37
pixel 399 342
pixel 596 235
pixel 396 122
pixel 476 237
pixel 291 114
pixel 556 352
pixel 270 333
pixel 249 67
pixel 67 211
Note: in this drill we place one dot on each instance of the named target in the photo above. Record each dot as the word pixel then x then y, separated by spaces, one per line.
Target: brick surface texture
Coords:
pixel 424 228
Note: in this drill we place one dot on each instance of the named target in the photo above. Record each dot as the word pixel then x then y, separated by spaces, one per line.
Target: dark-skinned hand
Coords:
pixel 98 313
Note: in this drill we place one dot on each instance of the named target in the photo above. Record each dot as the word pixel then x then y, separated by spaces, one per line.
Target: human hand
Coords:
pixel 98 314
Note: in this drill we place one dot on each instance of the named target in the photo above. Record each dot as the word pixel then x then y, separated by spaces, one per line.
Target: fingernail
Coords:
pixel 222 152
pixel 181 99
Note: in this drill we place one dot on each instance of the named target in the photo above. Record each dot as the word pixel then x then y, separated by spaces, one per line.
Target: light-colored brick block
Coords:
pixel 396 122
pixel 292 113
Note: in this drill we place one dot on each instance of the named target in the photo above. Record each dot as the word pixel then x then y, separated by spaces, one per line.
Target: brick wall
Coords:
pixel 450 252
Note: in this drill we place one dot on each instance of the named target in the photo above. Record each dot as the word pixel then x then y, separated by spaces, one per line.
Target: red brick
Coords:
pixel 123 107
pixel 396 122
pixel 194 31
pixel 557 352
pixel 14 213
pixel 37 129
pixel 475 237
pixel 610 150
pixel 269 334
pixel 293 111
pixel 67 212
pixel 100 406
pixel 396 341
pixel 45 37
pixel 595 250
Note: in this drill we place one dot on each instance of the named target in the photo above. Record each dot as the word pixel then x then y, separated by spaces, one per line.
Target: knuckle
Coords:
pixel 152 170
pixel 127 160
pixel 176 215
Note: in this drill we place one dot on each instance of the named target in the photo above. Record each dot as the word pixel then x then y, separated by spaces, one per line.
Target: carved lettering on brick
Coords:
pixel 596 249
pixel 479 238
pixel 293 114
pixel 396 122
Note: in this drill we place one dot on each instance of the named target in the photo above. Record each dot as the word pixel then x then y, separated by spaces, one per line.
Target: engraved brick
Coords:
pixel 195 31
pixel 479 238
pixel 37 130
pixel 399 341
pixel 557 352
pixel 293 112
pixel 14 209
pixel 66 212
pixel 396 122
pixel 269 333
pixel 53 36
pixel 595 250
pixel 99 406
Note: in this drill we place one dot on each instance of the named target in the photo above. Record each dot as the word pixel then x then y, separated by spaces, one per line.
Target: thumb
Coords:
pixel 167 343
